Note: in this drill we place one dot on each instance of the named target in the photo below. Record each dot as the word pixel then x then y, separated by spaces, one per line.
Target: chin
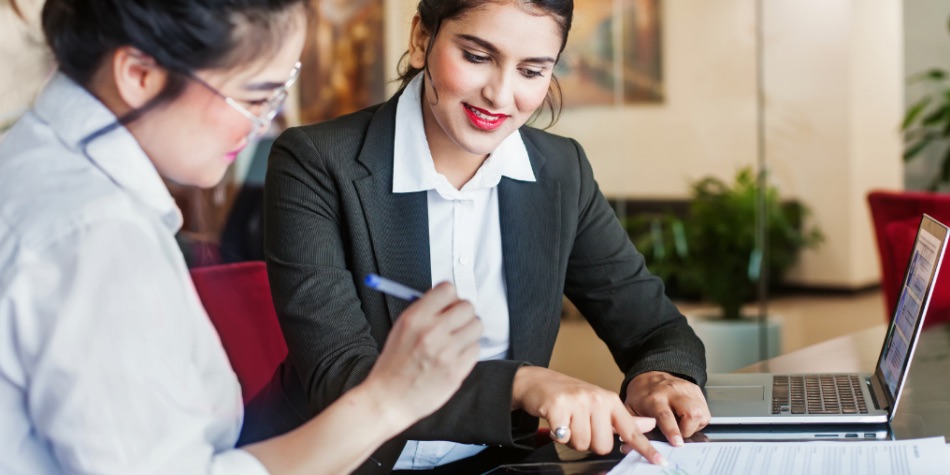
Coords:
pixel 211 180
pixel 482 147
pixel 207 179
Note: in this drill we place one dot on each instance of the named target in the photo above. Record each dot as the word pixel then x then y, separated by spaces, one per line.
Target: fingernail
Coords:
pixel 677 440
pixel 659 460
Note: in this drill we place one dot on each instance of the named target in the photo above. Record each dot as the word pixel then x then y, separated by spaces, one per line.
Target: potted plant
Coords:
pixel 926 124
pixel 712 252
pixel 723 259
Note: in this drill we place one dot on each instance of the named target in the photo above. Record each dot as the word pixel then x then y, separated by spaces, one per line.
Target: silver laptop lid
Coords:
pixel 908 316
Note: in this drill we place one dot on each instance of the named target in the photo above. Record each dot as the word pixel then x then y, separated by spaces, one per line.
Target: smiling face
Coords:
pixel 194 138
pixel 488 71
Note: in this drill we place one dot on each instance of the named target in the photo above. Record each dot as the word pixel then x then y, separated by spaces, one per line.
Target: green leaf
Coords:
pixel 934 75
pixel 937 74
pixel 915 149
pixel 945 167
pixel 915 111
pixel 939 116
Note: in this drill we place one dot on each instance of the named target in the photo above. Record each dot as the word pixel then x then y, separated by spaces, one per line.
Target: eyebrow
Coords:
pixel 493 50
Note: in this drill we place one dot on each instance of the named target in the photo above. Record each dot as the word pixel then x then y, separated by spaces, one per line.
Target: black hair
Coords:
pixel 182 36
pixel 432 13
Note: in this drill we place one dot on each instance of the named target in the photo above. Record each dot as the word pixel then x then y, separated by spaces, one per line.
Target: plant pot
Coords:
pixel 734 344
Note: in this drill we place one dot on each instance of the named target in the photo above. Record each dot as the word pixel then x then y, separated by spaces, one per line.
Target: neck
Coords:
pixel 458 169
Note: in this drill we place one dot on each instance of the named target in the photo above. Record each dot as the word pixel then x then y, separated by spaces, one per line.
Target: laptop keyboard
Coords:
pixel 818 394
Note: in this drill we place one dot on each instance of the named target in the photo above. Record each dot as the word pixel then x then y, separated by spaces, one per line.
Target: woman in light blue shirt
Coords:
pixel 108 363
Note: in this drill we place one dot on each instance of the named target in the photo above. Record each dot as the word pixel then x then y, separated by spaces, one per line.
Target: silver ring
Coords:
pixel 560 432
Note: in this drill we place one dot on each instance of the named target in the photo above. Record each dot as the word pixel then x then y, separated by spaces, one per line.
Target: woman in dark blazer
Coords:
pixel 337 209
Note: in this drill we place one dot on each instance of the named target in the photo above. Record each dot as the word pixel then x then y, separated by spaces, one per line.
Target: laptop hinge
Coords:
pixel 877 392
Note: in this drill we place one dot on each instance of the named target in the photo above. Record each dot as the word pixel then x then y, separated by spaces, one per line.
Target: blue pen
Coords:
pixel 389 287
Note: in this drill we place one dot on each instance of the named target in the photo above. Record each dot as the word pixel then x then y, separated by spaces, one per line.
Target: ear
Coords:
pixel 138 78
pixel 418 43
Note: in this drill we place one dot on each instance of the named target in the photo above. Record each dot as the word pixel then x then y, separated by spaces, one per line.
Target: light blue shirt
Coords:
pixel 108 362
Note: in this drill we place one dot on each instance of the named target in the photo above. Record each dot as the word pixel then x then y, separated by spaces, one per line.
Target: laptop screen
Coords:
pixel 911 307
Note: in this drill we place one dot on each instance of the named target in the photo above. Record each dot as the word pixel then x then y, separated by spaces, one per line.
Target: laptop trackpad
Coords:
pixel 736 393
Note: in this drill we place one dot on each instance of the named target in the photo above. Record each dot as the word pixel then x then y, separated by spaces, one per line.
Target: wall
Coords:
pixel 833 80
pixel 833 72
pixel 926 46
pixel 24 63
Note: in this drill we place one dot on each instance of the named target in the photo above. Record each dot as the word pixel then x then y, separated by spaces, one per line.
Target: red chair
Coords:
pixel 238 301
pixel 896 216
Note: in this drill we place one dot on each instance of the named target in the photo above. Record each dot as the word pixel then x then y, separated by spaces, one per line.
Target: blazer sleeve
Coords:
pixel 327 326
pixel 607 279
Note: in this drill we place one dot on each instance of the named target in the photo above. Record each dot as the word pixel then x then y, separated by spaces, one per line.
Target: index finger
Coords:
pixel 666 421
pixel 627 428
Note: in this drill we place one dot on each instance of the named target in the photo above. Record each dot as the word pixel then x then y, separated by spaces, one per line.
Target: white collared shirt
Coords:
pixel 108 362
pixel 464 241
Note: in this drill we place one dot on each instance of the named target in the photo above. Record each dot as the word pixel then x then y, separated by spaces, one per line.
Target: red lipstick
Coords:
pixel 483 119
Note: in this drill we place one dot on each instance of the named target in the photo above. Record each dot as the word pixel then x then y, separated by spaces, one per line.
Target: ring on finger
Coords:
pixel 560 432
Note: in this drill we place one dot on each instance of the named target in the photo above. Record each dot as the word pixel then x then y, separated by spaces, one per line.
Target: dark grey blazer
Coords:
pixel 331 218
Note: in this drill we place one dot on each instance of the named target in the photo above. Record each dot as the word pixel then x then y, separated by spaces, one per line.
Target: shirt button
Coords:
pixel 463 260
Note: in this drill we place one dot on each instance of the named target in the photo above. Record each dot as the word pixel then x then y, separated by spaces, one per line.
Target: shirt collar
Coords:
pixel 413 168
pixel 74 114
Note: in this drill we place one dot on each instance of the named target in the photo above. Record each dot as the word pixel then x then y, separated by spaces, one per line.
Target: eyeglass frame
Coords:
pixel 274 103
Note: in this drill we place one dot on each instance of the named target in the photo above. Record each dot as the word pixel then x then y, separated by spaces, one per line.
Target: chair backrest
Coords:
pixel 896 216
pixel 238 301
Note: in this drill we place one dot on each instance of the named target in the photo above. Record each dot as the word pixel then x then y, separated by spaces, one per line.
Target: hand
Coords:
pixel 592 414
pixel 678 405
pixel 432 347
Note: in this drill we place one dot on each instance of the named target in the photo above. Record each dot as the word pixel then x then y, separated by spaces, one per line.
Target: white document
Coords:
pixel 896 457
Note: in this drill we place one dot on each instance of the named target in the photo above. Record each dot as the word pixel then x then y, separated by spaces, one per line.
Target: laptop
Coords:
pixel 849 398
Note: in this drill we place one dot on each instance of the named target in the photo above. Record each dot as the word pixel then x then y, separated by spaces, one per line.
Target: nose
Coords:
pixel 499 91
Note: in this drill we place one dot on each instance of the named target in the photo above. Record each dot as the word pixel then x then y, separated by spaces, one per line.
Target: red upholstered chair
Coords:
pixel 238 301
pixel 896 216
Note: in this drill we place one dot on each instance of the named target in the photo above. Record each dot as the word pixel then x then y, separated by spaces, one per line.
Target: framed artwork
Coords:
pixel 343 59
pixel 613 55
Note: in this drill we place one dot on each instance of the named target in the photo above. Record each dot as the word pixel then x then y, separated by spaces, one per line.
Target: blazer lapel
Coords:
pixel 398 223
pixel 528 213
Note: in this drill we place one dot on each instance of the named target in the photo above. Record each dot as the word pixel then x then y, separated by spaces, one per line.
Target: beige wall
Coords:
pixel 24 63
pixel 877 107
pixel 833 80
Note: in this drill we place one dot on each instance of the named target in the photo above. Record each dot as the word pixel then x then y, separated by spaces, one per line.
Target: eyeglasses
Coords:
pixel 268 107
